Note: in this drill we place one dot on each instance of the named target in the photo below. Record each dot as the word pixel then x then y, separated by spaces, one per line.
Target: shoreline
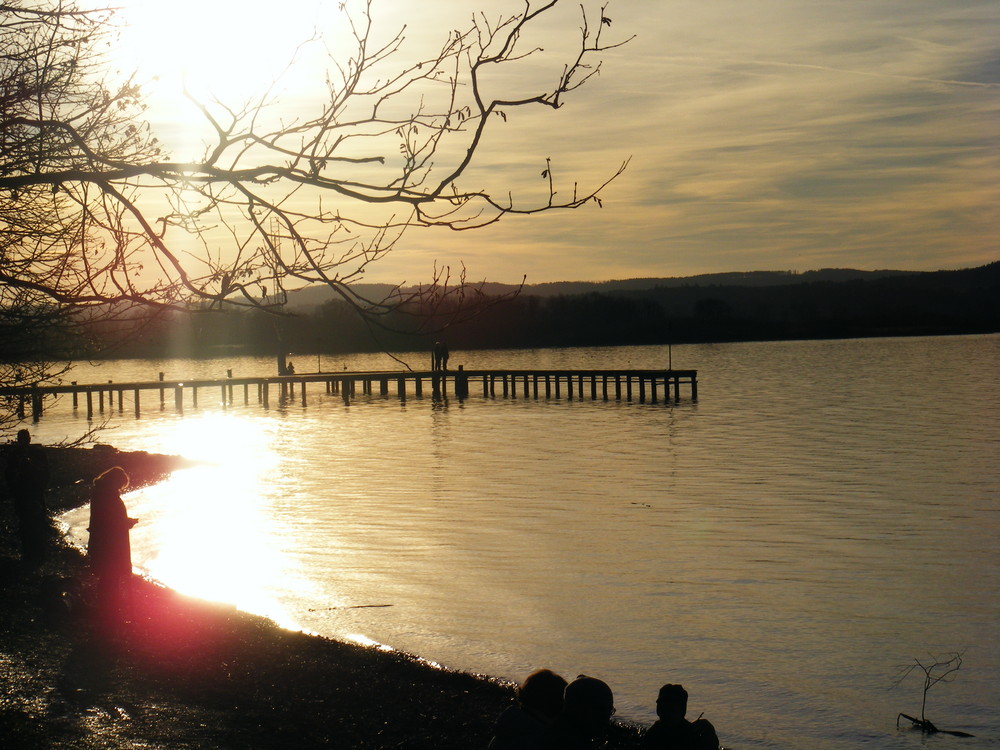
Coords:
pixel 187 673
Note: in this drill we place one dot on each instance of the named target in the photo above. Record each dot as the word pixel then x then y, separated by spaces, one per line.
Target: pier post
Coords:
pixel 548 386
pixel 135 398
pixel 179 397
pixel 90 406
pixel 226 403
pixel 120 397
pixel 652 389
pixel 486 386
pixel 383 386
pixel 556 378
pixel 401 388
pixel 604 387
pixel 593 388
pixel 246 394
pixel 579 386
pixel 100 401
pixel 161 392
pixel 418 386
pixel 628 388
pixel 618 387
pixel 194 397
pixel 694 387
pixel 461 383
pixel 265 392
pixel 302 387
pixel 75 394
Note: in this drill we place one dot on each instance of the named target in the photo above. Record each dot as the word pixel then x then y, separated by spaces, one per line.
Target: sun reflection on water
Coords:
pixel 210 531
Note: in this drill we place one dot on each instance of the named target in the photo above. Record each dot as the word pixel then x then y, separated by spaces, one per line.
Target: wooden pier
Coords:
pixel 652 386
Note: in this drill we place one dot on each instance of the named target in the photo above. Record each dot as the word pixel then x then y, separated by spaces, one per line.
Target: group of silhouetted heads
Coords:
pixel 552 714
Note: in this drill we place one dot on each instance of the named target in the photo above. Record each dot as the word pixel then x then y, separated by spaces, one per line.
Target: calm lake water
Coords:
pixel 827 512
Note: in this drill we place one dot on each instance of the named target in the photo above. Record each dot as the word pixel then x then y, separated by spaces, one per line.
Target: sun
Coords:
pixel 220 51
pixel 228 48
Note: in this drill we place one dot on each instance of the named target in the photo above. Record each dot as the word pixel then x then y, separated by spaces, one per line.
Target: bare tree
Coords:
pixel 92 212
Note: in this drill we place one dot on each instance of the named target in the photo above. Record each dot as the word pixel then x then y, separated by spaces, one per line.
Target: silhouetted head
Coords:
pixel 114 479
pixel 542 693
pixel 589 704
pixel 23 437
pixel 672 702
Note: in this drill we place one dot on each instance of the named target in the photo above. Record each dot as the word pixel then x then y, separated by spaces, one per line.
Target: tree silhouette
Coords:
pixel 92 211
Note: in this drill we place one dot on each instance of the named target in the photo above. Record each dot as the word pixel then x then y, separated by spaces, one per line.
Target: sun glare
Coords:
pixel 221 50
pixel 209 530
pixel 229 48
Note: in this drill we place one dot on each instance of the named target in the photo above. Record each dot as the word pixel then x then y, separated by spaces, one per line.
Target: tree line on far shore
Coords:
pixel 943 302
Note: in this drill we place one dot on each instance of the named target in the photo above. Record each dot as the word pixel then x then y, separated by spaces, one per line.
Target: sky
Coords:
pixel 768 135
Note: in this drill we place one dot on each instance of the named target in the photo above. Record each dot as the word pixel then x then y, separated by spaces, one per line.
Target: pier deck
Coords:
pixel 642 385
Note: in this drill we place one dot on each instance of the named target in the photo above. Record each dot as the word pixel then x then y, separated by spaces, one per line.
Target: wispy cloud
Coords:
pixel 772 134
pixel 776 134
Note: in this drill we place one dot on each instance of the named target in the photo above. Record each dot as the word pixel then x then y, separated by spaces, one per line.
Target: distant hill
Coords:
pixel 316 295
pixel 757 306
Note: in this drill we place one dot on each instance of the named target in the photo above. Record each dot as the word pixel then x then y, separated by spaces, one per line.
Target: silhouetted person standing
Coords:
pixel 109 548
pixel 588 706
pixel 673 731
pixel 27 475
pixel 440 360
pixel 539 702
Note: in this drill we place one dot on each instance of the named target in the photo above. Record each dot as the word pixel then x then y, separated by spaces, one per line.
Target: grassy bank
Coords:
pixel 191 674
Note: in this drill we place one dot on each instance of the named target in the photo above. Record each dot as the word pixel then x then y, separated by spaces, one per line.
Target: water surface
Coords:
pixel 827 512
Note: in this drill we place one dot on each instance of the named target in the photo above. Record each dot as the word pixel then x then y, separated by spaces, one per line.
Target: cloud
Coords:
pixel 773 134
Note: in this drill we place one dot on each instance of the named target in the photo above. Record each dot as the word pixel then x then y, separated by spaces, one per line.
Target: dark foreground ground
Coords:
pixel 191 674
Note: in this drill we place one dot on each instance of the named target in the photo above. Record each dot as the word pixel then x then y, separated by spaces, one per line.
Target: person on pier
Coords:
pixel 440 356
pixel 109 549
pixel 27 475
pixel 673 731
pixel 539 702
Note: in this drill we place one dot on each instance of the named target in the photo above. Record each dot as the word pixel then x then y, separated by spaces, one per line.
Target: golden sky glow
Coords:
pixel 781 134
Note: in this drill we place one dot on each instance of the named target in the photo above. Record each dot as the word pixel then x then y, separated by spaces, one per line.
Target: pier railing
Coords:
pixel 654 386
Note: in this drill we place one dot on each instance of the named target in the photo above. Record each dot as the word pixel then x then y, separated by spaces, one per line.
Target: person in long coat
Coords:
pixel 109 549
